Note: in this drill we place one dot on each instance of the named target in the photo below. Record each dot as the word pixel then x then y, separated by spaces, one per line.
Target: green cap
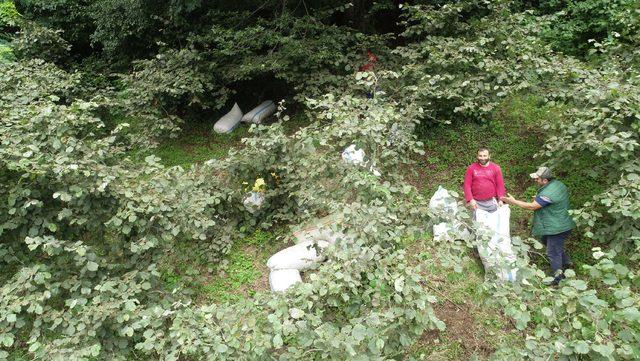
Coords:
pixel 542 173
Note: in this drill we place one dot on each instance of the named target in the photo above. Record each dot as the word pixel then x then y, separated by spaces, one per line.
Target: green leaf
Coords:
pixel 610 279
pixel 7 339
pixel 296 313
pixel 277 341
pixel 576 324
pixel 604 350
pixel 128 331
pixel 398 284
pixel 581 347
pixel 359 332
pixel 34 347
pixel 580 285
pixel 92 266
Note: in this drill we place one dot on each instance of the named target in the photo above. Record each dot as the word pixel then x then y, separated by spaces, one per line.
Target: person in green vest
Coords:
pixel 551 220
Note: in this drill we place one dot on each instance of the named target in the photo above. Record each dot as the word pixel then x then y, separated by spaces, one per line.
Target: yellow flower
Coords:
pixel 259 185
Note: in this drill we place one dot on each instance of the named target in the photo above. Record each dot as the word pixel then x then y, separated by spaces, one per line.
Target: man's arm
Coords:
pixel 532 206
pixel 500 189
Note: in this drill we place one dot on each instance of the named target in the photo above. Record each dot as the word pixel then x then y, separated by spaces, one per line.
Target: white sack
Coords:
pixel 300 257
pixel 281 280
pixel 260 113
pixel 229 121
pixel 441 231
pixel 498 254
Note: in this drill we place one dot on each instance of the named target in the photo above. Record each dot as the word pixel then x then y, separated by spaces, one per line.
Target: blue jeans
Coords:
pixel 555 251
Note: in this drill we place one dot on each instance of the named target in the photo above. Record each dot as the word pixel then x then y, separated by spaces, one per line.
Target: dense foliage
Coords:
pixel 85 219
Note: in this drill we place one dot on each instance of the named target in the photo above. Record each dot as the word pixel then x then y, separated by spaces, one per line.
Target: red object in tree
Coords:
pixel 371 63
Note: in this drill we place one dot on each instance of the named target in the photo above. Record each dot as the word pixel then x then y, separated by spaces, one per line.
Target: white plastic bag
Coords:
pixel 441 231
pixel 300 256
pixel 280 280
pixel 443 201
pixel 253 201
pixel 228 122
pixel 352 155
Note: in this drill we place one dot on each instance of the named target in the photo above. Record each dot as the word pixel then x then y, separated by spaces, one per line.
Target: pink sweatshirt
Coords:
pixel 483 182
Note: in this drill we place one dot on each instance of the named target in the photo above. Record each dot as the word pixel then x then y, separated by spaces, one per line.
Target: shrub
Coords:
pixel 36 41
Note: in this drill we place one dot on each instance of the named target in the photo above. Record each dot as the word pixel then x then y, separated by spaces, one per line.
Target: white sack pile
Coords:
pixel 285 265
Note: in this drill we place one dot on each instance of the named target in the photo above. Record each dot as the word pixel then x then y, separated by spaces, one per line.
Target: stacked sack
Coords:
pixel 230 121
pixel 285 266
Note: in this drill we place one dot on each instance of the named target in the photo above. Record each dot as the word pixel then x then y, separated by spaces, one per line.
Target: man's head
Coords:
pixel 542 176
pixel 483 156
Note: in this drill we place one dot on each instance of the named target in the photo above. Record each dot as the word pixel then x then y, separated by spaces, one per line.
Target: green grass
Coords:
pixel 198 142
pixel 238 271
pixel 242 272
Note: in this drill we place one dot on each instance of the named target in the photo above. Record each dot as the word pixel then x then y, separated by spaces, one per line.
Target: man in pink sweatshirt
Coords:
pixel 483 183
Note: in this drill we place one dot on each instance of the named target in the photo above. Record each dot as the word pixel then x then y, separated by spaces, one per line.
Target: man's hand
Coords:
pixel 473 204
pixel 508 199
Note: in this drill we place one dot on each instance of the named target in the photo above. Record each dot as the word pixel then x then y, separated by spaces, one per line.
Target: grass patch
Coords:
pixel 236 271
pixel 241 274
pixel 198 142
pixel 474 326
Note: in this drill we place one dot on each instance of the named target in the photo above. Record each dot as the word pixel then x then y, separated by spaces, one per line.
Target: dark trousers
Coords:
pixel 555 251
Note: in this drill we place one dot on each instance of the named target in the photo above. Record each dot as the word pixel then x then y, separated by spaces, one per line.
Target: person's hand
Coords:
pixel 508 199
pixel 473 204
pixel 500 203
